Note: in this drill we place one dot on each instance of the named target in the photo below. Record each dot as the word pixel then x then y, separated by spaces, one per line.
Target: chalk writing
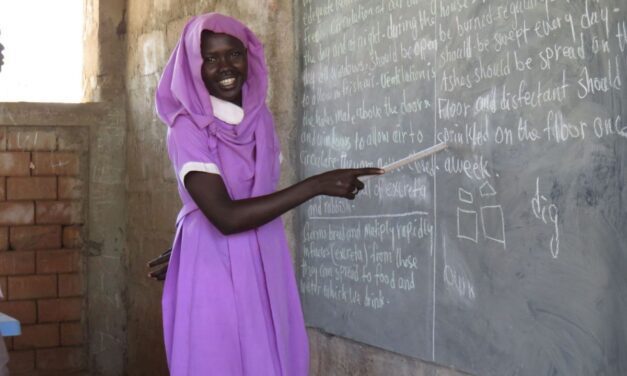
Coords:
pixel 508 85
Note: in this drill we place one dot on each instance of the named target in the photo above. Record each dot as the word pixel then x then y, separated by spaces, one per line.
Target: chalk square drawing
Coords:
pixel 465 196
pixel 486 190
pixel 467 226
pixel 493 223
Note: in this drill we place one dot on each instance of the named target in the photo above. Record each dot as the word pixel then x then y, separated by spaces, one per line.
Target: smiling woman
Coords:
pixel 51 70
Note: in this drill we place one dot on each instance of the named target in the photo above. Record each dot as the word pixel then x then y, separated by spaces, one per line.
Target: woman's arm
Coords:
pixel 232 216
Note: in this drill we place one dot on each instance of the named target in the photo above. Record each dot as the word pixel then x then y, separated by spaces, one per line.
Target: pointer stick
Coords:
pixel 414 157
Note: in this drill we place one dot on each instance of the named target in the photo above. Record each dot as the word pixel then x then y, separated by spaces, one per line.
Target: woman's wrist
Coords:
pixel 312 186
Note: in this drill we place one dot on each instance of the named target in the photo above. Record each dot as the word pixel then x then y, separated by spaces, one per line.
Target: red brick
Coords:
pixel 8 341
pixel 31 188
pixel 70 188
pixel 21 362
pixel 32 286
pixel 35 237
pixel 4 238
pixel 58 212
pixel 72 237
pixel 61 261
pixel 53 310
pixel 55 163
pixel 70 285
pixel 3 139
pixel 12 263
pixel 71 333
pixel 3 191
pixel 31 140
pixel 17 213
pixel 37 336
pixel 3 287
pixel 62 358
pixel 14 163
pixel 23 310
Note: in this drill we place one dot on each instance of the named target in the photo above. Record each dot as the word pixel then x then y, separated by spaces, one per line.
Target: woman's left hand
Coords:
pixel 160 273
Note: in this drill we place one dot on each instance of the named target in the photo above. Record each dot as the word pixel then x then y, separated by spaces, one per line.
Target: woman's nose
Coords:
pixel 224 64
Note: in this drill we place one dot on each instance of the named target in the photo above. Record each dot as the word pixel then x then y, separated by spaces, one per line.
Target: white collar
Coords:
pixel 226 111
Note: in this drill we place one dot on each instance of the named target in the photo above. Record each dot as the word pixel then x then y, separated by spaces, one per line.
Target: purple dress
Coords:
pixel 230 303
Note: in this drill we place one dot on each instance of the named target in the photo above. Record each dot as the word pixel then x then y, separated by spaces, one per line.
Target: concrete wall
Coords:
pixel 104 82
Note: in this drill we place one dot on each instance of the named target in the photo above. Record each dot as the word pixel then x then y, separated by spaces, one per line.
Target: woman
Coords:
pixel 230 302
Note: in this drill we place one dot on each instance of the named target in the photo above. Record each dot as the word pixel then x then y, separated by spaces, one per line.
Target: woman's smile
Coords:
pixel 227 83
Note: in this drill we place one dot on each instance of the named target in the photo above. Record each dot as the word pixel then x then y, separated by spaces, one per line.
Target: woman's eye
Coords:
pixel 210 60
pixel 236 53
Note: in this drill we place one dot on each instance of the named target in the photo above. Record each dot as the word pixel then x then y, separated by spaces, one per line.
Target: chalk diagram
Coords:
pixel 490 215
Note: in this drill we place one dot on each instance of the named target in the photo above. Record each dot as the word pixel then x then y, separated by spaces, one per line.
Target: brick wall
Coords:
pixel 42 196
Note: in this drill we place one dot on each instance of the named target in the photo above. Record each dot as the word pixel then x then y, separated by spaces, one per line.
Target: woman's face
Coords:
pixel 225 65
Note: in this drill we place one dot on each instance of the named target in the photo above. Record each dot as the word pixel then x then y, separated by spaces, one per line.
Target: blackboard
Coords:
pixel 505 254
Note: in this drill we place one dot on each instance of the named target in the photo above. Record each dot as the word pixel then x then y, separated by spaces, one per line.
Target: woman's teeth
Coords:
pixel 227 82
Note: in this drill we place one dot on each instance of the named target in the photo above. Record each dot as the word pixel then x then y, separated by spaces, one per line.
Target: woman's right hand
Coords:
pixel 343 182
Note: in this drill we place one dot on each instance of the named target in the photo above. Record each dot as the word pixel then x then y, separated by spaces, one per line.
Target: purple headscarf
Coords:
pixel 182 92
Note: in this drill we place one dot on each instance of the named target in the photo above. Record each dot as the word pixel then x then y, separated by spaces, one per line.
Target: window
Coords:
pixel 43 50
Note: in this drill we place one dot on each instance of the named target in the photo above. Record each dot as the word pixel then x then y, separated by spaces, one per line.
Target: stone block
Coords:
pixel 32 287
pixel 35 237
pixel 14 263
pixel 37 336
pixel 22 362
pixel 17 213
pixel 55 163
pixel 14 163
pixel 72 237
pixel 71 333
pixel 59 212
pixel 64 309
pixel 3 191
pixel 23 310
pixel 31 188
pixel 61 261
pixel 65 359
pixel 4 238
pixel 70 285
pixel 70 188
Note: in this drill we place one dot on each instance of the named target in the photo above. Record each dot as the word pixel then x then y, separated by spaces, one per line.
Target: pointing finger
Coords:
pixel 368 171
